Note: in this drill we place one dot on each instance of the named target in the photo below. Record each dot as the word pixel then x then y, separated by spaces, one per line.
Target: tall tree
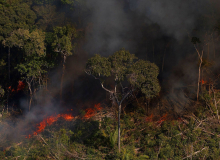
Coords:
pixel 63 37
pixel 2 91
pixel 32 44
pixel 14 15
pixel 48 16
pixel 122 67
pixel 32 71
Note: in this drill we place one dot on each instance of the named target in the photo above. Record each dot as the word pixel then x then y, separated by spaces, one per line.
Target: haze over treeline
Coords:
pixel 45 46
pixel 157 31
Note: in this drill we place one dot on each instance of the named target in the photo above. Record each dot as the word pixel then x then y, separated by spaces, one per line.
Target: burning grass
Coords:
pixel 160 121
pixel 90 112
pixel 49 121
pixel 143 137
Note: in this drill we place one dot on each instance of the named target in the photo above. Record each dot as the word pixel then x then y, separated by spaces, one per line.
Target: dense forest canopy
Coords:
pixel 146 61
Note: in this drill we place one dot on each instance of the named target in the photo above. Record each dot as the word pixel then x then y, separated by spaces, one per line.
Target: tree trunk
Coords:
pixel 200 64
pixel 215 103
pixel 119 113
pixel 9 75
pixel 63 72
pixel 147 106
pixel 199 78
pixel 9 63
pixel 31 95
pixel 30 101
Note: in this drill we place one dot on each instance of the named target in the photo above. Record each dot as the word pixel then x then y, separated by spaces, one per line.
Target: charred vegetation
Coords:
pixel 119 79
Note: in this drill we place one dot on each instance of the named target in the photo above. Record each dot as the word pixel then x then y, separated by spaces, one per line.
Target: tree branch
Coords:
pixel 105 88
pixel 200 56
pixel 122 88
pixel 125 96
pixel 100 82
pixel 195 153
pixel 53 154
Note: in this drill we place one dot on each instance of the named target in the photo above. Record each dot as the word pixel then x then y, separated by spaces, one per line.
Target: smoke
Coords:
pixel 156 30
pixel 116 24
pixel 14 129
pixel 110 26
pixel 175 18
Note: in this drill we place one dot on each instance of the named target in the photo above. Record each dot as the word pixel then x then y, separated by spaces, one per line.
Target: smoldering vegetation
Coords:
pixel 158 31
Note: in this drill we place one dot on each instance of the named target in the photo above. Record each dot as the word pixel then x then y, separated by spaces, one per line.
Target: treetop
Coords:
pixel 122 66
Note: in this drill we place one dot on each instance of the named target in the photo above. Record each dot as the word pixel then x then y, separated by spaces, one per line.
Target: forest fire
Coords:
pixel 49 121
pixel 20 87
pixel 203 82
pixel 150 118
pixel 90 112
pixel 163 118
pixel 160 121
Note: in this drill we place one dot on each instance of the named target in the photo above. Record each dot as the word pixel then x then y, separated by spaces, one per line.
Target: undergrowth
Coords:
pixel 142 137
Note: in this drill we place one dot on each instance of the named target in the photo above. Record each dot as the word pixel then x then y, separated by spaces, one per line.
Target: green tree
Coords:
pixel 62 43
pixel 15 14
pixel 123 68
pixel 48 17
pixel 32 71
pixel 32 44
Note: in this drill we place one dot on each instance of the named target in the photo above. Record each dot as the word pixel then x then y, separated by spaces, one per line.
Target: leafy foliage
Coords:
pixel 143 75
pixel 171 139
pixel 15 15
pixel 98 66
pixel 34 66
pixel 63 39
pixel 121 65
pixel 30 34
pixel 121 61
pixel 31 43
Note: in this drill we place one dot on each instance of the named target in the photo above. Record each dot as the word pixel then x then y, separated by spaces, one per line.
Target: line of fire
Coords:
pixel 109 79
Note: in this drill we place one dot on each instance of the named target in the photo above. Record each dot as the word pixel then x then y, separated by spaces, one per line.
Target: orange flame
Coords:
pixel 203 82
pixel 12 90
pixel 20 87
pixel 163 118
pixel 90 112
pixel 150 118
pixel 48 121
pixel 67 117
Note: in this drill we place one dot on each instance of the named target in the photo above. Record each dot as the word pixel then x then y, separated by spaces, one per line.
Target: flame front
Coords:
pixel 20 87
pixel 160 121
pixel 163 118
pixel 48 121
pixel 67 117
pixel 203 82
pixel 150 118
pixel 90 112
